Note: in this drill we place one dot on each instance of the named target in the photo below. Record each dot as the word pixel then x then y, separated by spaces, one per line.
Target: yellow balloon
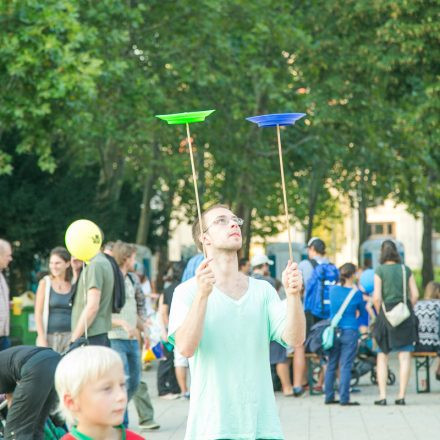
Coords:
pixel 83 239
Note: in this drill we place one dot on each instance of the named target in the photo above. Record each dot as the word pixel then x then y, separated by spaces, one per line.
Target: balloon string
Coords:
pixel 283 184
pixel 85 299
pixel 199 212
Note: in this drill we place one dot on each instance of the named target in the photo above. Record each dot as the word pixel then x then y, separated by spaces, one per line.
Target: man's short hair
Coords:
pixel 4 245
pixel 81 367
pixel 196 231
pixel 122 251
pixel 317 244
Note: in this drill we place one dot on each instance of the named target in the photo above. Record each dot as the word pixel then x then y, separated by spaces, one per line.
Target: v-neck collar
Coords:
pixel 234 301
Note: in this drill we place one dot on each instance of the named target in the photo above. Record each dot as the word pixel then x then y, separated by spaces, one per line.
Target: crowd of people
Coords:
pixel 227 328
pixel 362 318
pixel 76 307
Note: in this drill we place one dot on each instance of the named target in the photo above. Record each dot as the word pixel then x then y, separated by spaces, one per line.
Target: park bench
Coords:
pixel 422 361
pixel 312 361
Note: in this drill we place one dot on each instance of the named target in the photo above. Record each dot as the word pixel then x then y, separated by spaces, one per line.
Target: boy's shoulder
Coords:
pixel 130 435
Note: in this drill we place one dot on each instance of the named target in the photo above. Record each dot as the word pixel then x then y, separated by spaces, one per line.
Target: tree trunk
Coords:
pixel 427 266
pixel 163 249
pixel 111 178
pixel 313 201
pixel 145 211
pixel 362 220
pixel 247 228
pixel 245 213
pixel 147 193
pixel 201 184
pixel 162 266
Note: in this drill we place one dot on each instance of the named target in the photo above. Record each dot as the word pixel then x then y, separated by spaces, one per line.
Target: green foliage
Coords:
pixel 82 80
pixel 418 277
pixel 47 75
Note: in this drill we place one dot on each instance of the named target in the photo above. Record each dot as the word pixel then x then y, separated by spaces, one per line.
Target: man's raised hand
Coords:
pixel 292 279
pixel 205 278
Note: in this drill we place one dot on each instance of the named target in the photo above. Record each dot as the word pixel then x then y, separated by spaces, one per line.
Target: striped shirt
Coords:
pixel 128 313
pixel 4 307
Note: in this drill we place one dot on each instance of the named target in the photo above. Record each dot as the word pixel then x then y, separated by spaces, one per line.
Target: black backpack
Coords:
pixel 119 286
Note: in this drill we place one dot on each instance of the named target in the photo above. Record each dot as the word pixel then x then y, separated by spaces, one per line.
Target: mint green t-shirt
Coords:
pixel 231 386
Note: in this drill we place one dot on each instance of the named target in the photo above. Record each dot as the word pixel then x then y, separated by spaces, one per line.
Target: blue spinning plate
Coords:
pixel 276 119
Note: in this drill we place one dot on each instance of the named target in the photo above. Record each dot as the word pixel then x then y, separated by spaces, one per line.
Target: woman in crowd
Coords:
pixel 53 303
pixel 345 346
pixel 428 313
pixel 393 284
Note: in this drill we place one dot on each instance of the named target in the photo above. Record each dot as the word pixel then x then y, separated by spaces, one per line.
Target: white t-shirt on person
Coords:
pixel 231 387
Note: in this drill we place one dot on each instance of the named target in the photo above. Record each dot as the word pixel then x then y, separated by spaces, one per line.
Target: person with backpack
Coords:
pixel 93 302
pixel 318 276
pixel 347 302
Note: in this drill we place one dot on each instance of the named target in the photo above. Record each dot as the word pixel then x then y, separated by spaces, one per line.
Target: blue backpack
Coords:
pixel 317 298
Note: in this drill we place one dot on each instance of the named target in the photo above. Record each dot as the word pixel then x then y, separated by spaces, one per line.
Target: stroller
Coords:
pixel 365 362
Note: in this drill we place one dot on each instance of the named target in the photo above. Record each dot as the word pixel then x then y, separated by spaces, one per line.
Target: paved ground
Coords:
pixel 307 418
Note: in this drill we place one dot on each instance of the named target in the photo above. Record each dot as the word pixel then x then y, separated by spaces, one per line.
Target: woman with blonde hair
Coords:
pixel 427 311
pixel 53 303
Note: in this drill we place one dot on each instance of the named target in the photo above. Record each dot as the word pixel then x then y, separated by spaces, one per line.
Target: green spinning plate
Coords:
pixel 185 118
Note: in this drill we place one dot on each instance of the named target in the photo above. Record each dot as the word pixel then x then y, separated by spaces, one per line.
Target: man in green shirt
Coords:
pixel 96 284
pixel 223 321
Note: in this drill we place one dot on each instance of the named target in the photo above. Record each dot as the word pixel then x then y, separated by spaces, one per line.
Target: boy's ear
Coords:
pixel 70 403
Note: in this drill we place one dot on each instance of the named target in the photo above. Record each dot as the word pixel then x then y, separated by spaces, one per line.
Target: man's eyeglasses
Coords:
pixel 224 220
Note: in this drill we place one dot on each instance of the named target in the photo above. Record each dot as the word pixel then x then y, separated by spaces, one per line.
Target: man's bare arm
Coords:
pixel 295 331
pixel 188 335
pixel 88 314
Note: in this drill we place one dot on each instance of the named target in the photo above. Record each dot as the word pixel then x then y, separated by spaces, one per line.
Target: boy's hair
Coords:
pixel 196 230
pixel 80 367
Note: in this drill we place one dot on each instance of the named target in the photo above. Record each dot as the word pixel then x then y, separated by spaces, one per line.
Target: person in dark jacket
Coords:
pixel 391 281
pixel 27 379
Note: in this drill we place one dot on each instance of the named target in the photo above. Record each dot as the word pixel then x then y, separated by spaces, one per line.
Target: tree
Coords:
pixel 47 76
pixel 408 50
